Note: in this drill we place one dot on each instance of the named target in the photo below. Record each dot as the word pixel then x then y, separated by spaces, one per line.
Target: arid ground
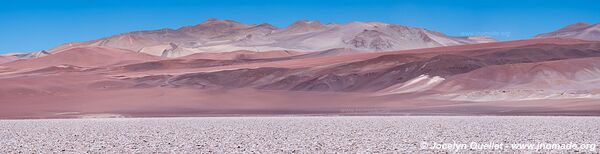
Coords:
pixel 346 134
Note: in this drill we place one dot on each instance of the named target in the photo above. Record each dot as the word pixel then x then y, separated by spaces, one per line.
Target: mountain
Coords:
pixel 568 78
pixel 546 75
pixel 7 58
pixel 91 56
pixel 214 35
pixel 578 30
pixel 17 56
pixel 226 67
pixel 243 54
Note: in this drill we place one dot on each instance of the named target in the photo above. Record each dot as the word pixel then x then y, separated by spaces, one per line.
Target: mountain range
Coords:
pixel 225 67
pixel 214 35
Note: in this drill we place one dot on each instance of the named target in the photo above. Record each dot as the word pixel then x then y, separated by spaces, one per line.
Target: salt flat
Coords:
pixel 321 134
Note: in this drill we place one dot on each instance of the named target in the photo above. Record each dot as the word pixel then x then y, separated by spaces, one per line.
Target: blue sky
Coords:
pixel 32 25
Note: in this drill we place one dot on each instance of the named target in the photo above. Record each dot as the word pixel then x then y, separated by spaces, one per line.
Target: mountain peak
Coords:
pixel 579 24
pixel 302 26
pixel 267 26
pixel 215 24
pixel 211 19
pixel 576 25
pixel 215 20
pixel 579 30
pixel 307 23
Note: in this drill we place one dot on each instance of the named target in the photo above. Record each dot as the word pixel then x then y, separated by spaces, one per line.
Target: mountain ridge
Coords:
pixel 214 35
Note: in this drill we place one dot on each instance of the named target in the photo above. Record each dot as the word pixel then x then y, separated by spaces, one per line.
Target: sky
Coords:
pixel 33 25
